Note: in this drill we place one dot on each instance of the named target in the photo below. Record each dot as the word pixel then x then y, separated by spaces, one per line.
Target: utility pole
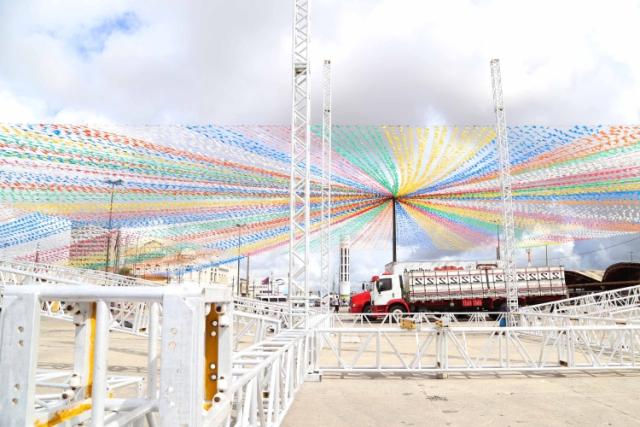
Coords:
pixel 505 185
pixel 117 246
pixel 631 256
pixel 394 238
pixel 325 186
pixel 546 255
pixel 238 267
pixel 113 184
pixel 247 280
pixel 299 191
pixel 498 239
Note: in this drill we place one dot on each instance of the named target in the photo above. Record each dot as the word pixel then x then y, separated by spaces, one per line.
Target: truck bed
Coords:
pixel 466 284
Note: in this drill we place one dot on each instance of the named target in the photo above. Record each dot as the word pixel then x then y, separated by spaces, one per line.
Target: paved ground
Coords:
pixel 582 400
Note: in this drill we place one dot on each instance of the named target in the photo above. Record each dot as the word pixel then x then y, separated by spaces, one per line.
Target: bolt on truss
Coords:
pixel 325 189
pixel 508 246
pixel 299 221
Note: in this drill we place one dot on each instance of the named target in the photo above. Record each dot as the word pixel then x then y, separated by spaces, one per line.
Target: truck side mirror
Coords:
pixel 363 286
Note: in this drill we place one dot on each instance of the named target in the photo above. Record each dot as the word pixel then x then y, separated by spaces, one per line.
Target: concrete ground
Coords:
pixel 580 400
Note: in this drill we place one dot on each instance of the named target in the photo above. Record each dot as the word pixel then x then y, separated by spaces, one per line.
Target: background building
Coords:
pixel 345 280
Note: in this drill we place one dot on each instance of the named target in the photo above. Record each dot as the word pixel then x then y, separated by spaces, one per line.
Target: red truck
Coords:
pixel 433 286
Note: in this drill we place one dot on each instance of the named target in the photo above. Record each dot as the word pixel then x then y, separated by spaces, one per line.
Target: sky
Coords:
pixel 404 62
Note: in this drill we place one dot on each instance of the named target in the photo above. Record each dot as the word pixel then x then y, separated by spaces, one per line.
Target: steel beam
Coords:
pixel 508 227
pixel 325 190
pixel 299 214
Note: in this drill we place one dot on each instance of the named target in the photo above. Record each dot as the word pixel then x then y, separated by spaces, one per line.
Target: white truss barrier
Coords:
pixel 189 365
pixel 19 272
pixel 250 328
pixel 57 383
pixel 446 347
pixel 275 310
pixel 128 316
pixel 339 320
pixel 254 321
pixel 622 304
pixel 267 375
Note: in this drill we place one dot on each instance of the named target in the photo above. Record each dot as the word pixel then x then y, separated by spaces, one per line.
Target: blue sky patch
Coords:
pixel 93 40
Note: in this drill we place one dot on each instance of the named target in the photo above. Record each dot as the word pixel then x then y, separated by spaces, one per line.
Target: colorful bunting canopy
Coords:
pixel 186 188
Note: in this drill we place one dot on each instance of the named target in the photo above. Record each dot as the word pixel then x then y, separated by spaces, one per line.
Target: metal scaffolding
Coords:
pixel 508 247
pixel 189 356
pixel 299 221
pixel 619 304
pixel 325 189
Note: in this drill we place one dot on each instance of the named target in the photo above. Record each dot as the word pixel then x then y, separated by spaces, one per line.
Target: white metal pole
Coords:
pixel 101 347
pixel 152 374
pixel 325 189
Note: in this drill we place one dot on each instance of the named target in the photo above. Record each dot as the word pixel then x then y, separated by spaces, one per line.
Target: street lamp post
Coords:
pixel 546 255
pixel 113 184
pixel 238 268
pixel 498 239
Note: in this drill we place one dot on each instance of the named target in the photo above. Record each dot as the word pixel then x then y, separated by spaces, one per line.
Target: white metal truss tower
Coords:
pixel 325 190
pixel 299 222
pixel 508 246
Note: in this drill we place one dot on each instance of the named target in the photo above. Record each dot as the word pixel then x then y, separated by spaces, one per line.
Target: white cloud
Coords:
pixel 394 61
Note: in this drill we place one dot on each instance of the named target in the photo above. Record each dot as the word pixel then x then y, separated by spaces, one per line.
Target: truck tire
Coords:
pixel 366 310
pixel 397 312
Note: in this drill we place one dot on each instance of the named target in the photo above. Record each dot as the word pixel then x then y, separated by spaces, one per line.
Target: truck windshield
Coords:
pixel 383 285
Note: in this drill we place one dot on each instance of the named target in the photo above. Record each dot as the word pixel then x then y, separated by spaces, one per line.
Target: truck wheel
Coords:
pixel 397 312
pixel 367 311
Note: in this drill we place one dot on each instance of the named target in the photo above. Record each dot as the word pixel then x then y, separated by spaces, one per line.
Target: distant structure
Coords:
pixel 88 246
pixel 208 276
pixel 345 280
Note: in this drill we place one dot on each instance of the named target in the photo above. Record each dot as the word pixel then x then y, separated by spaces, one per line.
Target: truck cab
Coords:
pixel 361 302
pixel 386 295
